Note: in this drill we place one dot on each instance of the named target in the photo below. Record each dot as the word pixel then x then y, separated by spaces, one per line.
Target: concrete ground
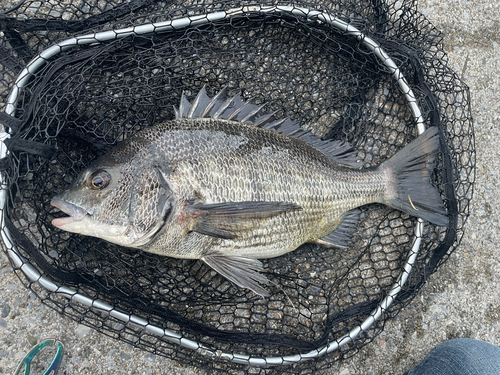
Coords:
pixel 460 300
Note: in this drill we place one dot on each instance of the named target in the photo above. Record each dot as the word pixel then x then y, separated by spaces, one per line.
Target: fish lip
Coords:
pixel 75 213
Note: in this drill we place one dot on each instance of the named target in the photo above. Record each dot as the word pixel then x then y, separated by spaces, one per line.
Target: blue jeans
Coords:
pixel 460 357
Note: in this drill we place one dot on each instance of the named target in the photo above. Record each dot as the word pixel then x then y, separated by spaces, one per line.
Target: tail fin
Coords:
pixel 410 170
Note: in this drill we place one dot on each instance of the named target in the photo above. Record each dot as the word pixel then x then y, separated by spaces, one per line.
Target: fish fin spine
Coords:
pixel 234 108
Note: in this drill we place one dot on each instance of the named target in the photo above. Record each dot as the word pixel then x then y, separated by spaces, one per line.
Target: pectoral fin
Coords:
pixel 244 272
pixel 229 220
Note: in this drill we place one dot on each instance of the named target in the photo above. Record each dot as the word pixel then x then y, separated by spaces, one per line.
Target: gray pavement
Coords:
pixel 460 300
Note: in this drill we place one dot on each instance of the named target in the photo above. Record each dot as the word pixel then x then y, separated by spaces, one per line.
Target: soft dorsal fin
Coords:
pixel 234 108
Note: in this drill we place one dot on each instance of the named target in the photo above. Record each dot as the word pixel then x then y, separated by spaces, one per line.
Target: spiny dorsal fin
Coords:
pixel 234 108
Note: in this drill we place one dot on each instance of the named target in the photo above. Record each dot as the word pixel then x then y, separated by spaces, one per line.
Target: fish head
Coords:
pixel 123 203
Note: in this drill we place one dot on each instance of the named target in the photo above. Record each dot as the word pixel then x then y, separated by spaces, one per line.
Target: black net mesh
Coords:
pixel 87 96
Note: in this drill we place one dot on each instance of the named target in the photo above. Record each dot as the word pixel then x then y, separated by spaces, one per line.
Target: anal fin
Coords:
pixel 342 235
pixel 244 272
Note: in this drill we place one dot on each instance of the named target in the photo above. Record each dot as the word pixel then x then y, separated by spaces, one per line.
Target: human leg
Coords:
pixel 460 357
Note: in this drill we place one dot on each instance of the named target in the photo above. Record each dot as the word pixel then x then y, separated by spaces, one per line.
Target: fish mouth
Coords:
pixel 75 213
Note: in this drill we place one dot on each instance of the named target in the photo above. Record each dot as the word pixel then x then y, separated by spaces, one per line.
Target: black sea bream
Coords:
pixel 228 183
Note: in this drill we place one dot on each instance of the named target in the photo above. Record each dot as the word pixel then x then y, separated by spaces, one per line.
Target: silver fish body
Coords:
pixel 227 183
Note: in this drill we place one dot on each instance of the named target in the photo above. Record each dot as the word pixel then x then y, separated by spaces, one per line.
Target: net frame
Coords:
pixel 310 15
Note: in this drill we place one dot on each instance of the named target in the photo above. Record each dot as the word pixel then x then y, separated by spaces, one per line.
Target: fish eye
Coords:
pixel 99 180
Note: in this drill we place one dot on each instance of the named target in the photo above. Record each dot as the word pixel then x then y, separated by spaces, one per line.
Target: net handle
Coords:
pixel 174 25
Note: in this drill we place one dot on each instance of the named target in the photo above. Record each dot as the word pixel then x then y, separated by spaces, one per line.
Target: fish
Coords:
pixel 229 183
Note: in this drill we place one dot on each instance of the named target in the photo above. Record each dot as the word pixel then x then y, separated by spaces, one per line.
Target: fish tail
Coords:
pixel 409 179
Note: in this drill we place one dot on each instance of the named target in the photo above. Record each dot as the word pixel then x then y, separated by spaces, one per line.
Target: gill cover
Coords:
pixel 151 202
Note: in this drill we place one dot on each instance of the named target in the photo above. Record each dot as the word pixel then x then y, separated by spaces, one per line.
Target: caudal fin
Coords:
pixel 410 187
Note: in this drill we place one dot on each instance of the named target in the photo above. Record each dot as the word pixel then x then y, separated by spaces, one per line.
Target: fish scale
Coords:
pixel 230 193
pixel 287 179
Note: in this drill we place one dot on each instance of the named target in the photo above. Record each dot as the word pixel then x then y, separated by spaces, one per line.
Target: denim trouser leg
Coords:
pixel 460 357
